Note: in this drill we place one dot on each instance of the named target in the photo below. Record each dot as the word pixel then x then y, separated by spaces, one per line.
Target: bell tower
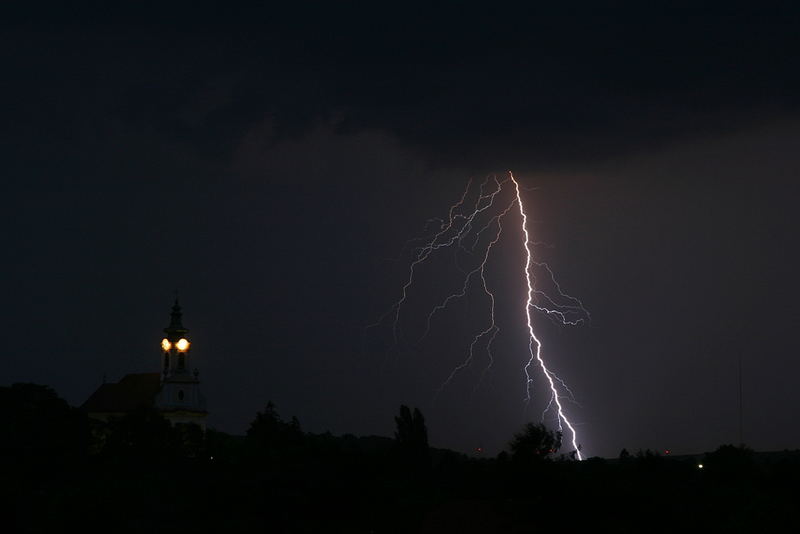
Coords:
pixel 175 347
pixel 179 399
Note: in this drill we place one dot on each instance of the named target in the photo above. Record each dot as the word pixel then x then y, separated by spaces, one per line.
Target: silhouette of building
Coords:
pixel 174 392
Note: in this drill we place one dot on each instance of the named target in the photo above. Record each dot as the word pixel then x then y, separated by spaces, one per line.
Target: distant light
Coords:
pixel 165 344
pixel 182 344
pixel 479 449
pixel 665 452
pixel 211 458
pixel 699 466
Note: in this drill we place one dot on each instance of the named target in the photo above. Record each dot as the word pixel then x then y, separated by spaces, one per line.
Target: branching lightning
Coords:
pixel 491 330
pixel 457 232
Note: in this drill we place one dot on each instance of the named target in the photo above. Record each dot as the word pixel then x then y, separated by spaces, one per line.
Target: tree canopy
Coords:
pixel 534 442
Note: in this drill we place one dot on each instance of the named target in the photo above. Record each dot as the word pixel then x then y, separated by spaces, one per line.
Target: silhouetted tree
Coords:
pixel 729 462
pixel 270 438
pixel 535 442
pixel 221 447
pixel 143 435
pixel 42 442
pixel 412 438
pixel 39 425
pixel 190 439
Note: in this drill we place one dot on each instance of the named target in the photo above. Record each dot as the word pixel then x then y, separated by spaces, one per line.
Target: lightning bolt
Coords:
pixel 537 352
pixel 455 231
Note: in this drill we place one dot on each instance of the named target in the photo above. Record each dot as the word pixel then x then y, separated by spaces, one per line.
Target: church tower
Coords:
pixel 179 399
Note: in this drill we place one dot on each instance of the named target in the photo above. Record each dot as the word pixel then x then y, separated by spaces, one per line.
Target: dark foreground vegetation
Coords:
pixel 62 472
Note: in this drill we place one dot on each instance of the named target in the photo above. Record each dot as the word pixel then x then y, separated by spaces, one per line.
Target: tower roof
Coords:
pixel 175 322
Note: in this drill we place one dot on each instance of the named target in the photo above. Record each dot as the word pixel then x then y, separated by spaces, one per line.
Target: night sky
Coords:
pixel 270 164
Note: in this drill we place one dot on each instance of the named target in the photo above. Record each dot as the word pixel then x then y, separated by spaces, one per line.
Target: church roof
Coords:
pixel 131 392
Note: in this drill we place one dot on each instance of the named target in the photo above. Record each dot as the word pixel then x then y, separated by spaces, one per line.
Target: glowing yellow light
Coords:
pixel 165 344
pixel 182 344
pixel 699 466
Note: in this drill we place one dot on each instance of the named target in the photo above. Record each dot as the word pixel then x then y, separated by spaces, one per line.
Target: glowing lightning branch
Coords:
pixel 563 312
pixel 434 244
pixel 421 255
pixel 490 330
pixel 537 353
pixel 477 270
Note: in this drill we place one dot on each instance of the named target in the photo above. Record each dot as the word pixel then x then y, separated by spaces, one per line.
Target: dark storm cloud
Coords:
pixel 490 87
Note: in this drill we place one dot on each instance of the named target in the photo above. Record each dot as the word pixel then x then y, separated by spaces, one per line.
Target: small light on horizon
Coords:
pixel 699 466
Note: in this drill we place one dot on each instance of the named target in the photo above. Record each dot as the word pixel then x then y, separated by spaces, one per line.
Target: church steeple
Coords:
pixel 180 392
pixel 175 328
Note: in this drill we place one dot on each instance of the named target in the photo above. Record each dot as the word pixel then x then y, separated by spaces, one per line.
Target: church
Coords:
pixel 174 392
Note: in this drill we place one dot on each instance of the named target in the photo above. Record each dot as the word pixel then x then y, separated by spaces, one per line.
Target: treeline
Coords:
pixel 138 473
